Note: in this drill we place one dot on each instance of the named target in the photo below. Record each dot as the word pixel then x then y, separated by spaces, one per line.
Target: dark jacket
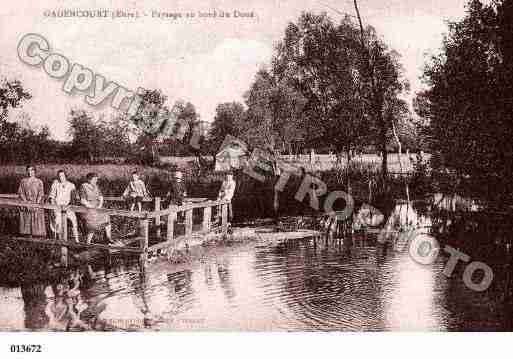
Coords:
pixel 176 194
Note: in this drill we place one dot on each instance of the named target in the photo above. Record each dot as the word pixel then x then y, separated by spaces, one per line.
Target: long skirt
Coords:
pixel 95 221
pixel 32 222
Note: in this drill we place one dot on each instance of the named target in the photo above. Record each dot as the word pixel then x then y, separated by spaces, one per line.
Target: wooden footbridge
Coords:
pixel 156 229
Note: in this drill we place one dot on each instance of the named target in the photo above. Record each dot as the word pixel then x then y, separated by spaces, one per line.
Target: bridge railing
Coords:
pixel 149 222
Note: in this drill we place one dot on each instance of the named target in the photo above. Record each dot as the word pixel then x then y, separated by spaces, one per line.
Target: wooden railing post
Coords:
pixel 64 236
pixel 170 226
pixel 157 219
pixel 207 217
pixel 188 222
pixel 145 234
pixel 224 218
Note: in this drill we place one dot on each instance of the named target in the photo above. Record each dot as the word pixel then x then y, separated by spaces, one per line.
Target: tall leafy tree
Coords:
pixel 186 121
pixel 349 78
pixel 23 142
pixel 115 137
pixel 183 134
pixel 384 82
pixel 12 94
pixel 468 104
pixel 151 121
pixel 228 120
pixel 93 139
pixel 86 136
pixel 274 112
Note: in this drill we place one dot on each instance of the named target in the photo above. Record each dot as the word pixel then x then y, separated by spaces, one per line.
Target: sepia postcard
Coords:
pixel 255 166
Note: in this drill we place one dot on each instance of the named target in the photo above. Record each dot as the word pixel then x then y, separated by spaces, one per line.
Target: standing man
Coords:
pixel 312 156
pixel 226 193
pixel 61 194
pixel 31 190
pixel 177 192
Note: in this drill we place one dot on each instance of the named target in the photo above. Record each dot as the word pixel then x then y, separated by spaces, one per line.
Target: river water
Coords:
pixel 264 285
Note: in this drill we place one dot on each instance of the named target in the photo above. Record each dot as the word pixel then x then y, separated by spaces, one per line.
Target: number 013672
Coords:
pixel 26 348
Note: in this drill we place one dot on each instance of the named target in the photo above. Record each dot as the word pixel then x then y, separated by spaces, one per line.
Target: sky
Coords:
pixel 206 61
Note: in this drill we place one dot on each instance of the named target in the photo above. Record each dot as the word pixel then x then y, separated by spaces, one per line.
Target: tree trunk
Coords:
pixel 214 162
pixel 348 170
pixel 383 138
pixel 360 23
pixel 399 153
pixel 377 108
pixel 154 152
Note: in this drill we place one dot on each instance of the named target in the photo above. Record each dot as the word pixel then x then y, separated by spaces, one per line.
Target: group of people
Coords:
pixel 63 193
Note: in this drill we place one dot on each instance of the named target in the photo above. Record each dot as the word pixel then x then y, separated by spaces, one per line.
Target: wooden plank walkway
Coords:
pixel 156 220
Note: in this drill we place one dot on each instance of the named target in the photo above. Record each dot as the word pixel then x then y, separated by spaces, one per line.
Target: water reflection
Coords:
pixel 34 299
pixel 60 306
pixel 12 315
pixel 362 284
pixel 410 304
pixel 225 280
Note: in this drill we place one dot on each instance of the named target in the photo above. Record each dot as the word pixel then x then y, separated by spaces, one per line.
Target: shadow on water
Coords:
pixel 362 283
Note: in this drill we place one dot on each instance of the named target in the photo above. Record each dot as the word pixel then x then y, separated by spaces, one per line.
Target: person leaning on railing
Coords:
pixel 92 198
pixel 135 192
pixel 176 194
pixel 226 192
pixel 61 194
pixel 177 191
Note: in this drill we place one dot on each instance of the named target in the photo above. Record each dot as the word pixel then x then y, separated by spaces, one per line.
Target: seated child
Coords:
pixel 135 192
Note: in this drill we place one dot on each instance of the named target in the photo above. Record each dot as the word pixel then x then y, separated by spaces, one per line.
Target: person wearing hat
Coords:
pixel 177 191
pixel 92 198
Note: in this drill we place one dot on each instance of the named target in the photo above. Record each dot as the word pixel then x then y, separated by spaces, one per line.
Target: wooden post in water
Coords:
pixel 224 218
pixel 144 239
pixel 207 216
pixel 64 237
pixel 188 223
pixel 157 219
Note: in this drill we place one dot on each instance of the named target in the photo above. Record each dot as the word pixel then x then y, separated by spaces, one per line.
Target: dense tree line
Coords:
pixel 94 139
pixel 20 141
pixel 324 90
pixel 153 131
pixel 468 109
